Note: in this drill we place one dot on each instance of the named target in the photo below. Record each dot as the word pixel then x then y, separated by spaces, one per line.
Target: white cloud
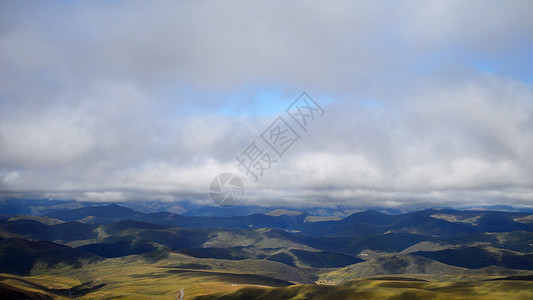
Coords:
pixel 425 101
pixel 53 139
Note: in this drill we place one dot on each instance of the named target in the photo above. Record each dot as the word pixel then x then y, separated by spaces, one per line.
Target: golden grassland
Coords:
pixel 389 288
pixel 137 277
pixel 143 277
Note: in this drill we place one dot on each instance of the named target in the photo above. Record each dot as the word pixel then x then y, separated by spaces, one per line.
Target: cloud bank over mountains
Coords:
pixel 425 103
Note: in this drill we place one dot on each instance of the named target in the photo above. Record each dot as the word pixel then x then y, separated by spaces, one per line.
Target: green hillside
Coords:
pixel 479 257
pixel 24 257
pixel 422 255
pixel 387 288
pixel 292 257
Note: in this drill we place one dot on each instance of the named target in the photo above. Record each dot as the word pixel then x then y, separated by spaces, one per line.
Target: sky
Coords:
pixel 425 103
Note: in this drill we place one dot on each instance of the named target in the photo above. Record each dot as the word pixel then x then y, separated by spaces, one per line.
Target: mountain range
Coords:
pixel 279 248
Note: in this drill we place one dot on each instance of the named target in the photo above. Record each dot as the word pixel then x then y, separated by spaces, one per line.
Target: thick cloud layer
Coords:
pixel 426 103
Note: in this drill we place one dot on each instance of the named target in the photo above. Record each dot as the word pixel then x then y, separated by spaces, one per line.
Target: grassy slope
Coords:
pixel 520 241
pixel 43 287
pixel 23 257
pixel 479 257
pixel 388 288
pixel 34 230
pixel 162 274
pixel 216 286
pixel 413 265
pixel 288 256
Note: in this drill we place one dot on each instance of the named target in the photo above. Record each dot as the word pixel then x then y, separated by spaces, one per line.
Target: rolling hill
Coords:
pixel 113 251
pixel 22 257
pixel 479 257
pixel 386 288
pixel 34 230
pixel 292 257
